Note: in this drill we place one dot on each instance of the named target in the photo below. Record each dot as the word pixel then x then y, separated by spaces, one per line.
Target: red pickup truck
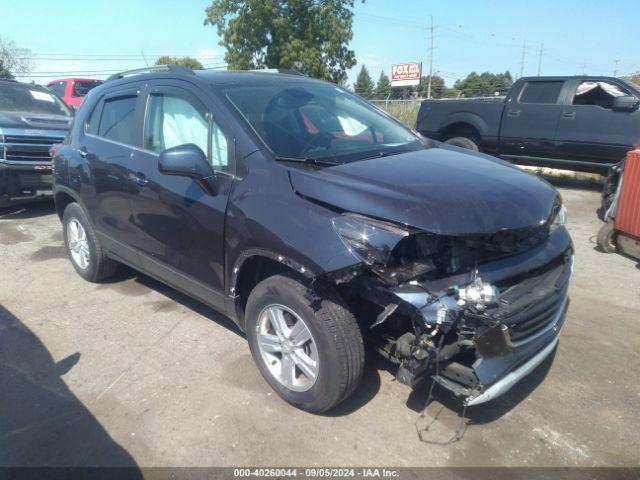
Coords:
pixel 73 90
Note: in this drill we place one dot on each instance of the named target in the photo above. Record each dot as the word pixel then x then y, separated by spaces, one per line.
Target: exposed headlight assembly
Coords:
pixel 559 215
pixel 370 240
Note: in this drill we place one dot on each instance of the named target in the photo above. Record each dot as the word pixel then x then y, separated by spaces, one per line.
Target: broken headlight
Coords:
pixel 559 215
pixel 370 240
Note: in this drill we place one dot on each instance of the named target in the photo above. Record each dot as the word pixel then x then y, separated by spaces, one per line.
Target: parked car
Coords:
pixel 579 123
pixel 73 90
pixel 317 222
pixel 32 119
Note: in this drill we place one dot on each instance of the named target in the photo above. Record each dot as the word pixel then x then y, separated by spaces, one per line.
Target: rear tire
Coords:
pixel 463 142
pixel 83 247
pixel 607 237
pixel 333 340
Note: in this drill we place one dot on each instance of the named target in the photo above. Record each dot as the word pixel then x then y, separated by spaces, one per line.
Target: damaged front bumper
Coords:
pixel 479 353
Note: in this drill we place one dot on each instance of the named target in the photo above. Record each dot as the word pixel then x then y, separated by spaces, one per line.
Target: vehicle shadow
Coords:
pixel 125 275
pixel 487 412
pixel 30 210
pixel 42 423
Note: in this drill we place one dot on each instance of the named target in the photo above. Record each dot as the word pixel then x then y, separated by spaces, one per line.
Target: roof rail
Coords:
pixel 153 69
pixel 286 71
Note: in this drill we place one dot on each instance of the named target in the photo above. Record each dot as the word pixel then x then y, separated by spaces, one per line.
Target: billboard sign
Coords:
pixel 406 74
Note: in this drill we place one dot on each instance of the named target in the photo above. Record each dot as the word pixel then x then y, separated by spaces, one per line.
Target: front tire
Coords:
pixel 310 352
pixel 463 142
pixel 83 247
pixel 607 237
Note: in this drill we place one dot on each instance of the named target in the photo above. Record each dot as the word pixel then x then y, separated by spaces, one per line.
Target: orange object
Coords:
pixel 628 210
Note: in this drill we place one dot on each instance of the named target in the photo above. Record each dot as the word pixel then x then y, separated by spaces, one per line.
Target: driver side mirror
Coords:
pixel 188 160
pixel 625 103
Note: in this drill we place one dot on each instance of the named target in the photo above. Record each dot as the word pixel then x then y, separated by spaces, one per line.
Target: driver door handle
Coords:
pixel 513 113
pixel 138 178
pixel 569 115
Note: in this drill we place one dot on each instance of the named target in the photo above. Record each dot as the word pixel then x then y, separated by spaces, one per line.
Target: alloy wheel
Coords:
pixel 287 347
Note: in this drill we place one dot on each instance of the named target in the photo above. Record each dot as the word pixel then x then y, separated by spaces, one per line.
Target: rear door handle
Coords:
pixel 513 113
pixel 569 115
pixel 138 178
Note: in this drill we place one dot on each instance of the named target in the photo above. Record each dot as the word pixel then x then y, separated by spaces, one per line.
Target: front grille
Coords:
pixel 509 241
pixel 529 304
pixel 23 148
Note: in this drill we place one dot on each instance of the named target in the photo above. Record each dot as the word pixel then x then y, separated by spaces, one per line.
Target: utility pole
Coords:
pixel 615 67
pixel 540 53
pixel 524 53
pixel 430 58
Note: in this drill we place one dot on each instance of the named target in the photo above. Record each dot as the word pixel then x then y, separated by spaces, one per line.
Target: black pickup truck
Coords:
pixel 32 119
pixel 579 123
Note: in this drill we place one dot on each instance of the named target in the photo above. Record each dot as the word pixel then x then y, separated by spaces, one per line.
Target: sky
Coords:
pixel 93 38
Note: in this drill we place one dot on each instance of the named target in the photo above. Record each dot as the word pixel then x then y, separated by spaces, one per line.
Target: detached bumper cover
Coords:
pixel 516 361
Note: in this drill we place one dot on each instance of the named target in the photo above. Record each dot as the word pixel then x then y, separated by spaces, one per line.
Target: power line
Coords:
pixel 522 60
pixel 430 57
pixel 540 53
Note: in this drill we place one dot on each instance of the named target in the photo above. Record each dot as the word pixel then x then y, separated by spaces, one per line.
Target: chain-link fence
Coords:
pixel 404 110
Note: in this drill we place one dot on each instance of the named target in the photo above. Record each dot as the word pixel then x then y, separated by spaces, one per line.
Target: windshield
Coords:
pixel 80 89
pixel 319 122
pixel 21 98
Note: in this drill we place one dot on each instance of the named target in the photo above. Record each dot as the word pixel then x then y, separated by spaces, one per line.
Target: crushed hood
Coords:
pixel 439 190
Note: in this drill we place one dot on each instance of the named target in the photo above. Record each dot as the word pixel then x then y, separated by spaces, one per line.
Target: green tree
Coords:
pixel 438 87
pixel 307 35
pixel 14 60
pixel 364 84
pixel 188 62
pixel 383 87
pixel 485 84
pixel 4 71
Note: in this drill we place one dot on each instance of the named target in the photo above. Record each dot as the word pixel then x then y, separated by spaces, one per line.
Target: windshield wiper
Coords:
pixel 387 153
pixel 307 160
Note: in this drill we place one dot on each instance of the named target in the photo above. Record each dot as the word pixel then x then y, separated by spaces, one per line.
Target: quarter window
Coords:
pixel 172 120
pixel 541 92
pixel 58 88
pixel 116 122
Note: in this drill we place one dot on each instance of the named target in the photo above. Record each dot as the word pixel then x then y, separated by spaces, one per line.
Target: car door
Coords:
pixel 530 119
pixel 590 130
pixel 179 225
pixel 108 145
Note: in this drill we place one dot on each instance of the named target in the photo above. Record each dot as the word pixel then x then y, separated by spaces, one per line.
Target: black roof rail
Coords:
pixel 153 69
pixel 286 71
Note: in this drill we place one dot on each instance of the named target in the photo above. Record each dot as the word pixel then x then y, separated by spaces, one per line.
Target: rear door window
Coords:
pixel 117 119
pixel 541 92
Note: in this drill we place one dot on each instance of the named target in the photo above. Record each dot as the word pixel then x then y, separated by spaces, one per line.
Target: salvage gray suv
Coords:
pixel 318 223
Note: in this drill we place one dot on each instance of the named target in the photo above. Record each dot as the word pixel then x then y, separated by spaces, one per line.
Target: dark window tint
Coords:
pixel 541 92
pixel 80 89
pixel 116 122
pixel 58 88
pixel 18 97
pixel 93 120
